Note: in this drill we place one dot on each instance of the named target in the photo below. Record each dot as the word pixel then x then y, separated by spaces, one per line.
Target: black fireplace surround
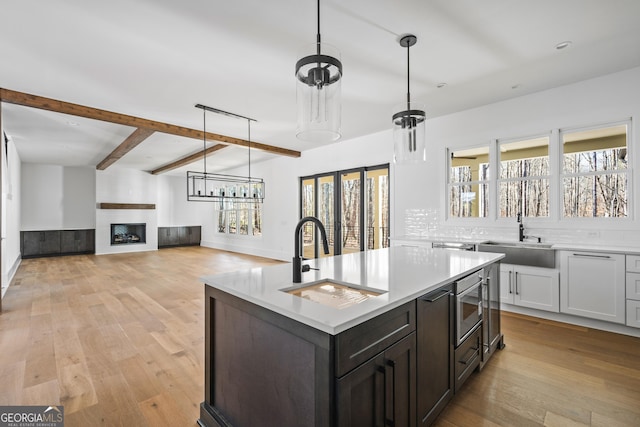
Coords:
pixel 125 234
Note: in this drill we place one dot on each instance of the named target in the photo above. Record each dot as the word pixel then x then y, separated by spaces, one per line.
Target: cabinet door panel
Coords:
pixel 434 354
pixel 633 263
pixel 633 286
pixel 400 383
pixel 506 281
pixel 360 395
pixel 537 289
pixel 633 313
pixel 593 285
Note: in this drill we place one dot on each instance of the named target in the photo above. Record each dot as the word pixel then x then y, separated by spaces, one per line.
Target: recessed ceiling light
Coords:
pixel 70 123
pixel 441 85
pixel 563 45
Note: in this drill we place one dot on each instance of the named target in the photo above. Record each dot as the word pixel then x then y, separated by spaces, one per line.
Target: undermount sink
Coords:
pixel 523 253
pixel 334 294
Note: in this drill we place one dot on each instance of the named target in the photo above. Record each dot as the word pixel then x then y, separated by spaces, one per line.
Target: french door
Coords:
pixel 353 205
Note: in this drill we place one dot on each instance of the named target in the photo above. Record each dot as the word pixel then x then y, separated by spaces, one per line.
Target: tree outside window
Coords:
pixel 469 183
pixel 595 173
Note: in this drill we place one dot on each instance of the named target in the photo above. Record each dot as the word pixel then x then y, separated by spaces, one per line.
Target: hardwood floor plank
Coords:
pixel 119 340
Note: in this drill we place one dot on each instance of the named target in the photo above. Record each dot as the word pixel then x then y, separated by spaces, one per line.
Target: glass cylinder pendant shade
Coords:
pixel 318 93
pixel 409 133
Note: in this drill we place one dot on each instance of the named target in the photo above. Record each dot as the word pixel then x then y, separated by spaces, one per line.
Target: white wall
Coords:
pixel 10 213
pixel 57 197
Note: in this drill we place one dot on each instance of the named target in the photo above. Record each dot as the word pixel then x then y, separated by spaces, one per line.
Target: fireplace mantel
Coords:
pixel 127 206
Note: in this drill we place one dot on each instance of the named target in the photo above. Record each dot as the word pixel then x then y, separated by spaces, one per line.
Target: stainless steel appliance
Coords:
pixel 468 301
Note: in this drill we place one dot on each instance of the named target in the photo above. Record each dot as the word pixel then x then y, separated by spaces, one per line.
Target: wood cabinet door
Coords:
pixel 593 285
pixel 400 383
pixel 434 354
pixel 360 395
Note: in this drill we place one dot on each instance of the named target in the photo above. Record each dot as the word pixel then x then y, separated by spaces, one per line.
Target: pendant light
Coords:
pixel 224 189
pixel 409 123
pixel 318 87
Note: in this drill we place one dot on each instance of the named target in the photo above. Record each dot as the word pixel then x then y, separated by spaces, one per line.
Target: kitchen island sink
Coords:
pixel 522 253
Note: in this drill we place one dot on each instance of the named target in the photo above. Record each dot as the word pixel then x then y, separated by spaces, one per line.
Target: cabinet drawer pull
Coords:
pixel 592 256
pixel 442 295
pixel 473 355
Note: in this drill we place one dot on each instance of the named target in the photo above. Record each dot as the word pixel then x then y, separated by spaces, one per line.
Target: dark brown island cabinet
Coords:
pixel 396 369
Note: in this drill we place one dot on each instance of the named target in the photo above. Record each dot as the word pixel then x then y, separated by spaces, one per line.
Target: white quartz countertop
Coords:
pixel 402 273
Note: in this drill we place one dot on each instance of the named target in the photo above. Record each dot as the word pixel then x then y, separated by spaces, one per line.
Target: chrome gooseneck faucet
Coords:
pixel 297 255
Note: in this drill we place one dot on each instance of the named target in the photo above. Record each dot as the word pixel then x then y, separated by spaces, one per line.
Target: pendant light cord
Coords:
pixel 318 34
pixel 408 70
pixel 249 140
pixel 204 139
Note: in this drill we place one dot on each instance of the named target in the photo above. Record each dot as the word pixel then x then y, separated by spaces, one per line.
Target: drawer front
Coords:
pixel 633 263
pixel 360 343
pixel 467 358
pixel 633 286
pixel 633 313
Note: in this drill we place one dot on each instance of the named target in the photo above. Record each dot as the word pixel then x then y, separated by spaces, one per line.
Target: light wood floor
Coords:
pixel 118 340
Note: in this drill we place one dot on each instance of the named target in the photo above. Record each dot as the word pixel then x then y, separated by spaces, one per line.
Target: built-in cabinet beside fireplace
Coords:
pixel 41 243
pixel 179 236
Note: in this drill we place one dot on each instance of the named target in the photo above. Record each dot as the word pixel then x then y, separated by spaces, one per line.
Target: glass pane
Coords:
pixel 351 187
pixel 244 221
pixel 232 222
pixel 222 225
pixel 257 219
pixel 469 201
pixel 326 211
pixel 529 197
pixel 596 196
pixel 308 209
pixel 469 165
pixel 377 205
pixel 594 150
pixel 524 158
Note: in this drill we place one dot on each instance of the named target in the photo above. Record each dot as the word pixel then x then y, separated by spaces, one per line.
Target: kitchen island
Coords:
pixel 275 355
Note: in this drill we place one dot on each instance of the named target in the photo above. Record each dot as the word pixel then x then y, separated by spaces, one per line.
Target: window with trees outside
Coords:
pixel 595 172
pixel 241 219
pixel 523 183
pixel 353 206
pixel 469 183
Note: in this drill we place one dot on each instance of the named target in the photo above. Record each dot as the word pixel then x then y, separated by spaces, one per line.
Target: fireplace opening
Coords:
pixel 124 234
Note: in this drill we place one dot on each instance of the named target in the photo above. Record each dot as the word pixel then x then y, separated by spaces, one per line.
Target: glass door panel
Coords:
pixel 377 208
pixel 327 211
pixel 308 195
pixel 351 236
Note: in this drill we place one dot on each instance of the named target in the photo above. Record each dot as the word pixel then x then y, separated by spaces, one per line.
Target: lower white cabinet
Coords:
pixel 593 285
pixel 532 287
pixel 633 313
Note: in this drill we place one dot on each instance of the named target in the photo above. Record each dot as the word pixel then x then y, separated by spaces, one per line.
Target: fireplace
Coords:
pixel 125 234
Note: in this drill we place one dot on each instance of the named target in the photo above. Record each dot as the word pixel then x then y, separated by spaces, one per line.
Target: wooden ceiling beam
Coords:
pixel 187 160
pixel 34 101
pixel 129 144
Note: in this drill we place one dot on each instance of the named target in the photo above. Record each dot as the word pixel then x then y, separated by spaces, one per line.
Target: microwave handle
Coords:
pixel 470 290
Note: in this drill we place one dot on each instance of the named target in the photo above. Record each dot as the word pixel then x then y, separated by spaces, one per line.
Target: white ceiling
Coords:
pixel 156 59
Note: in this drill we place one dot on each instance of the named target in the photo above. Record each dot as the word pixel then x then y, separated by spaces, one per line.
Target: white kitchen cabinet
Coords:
pixel 633 291
pixel 532 287
pixel 633 286
pixel 633 313
pixel 593 285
